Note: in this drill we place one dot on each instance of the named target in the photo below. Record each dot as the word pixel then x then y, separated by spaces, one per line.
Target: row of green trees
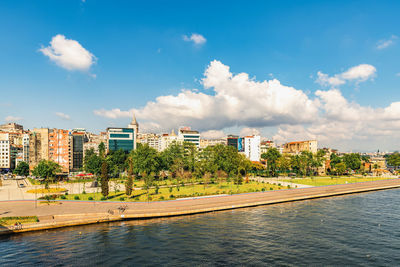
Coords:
pixel 307 163
pixel 179 161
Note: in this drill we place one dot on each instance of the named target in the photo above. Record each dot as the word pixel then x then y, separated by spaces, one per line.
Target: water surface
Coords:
pixel 360 230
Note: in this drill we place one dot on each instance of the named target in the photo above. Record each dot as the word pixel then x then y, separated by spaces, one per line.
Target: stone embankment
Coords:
pixel 71 213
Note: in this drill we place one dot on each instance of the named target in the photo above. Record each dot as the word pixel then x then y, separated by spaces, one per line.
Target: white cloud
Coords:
pixel 357 74
pixel 68 54
pixel 12 118
pixel 113 113
pixel 249 131
pixel 196 38
pixel 235 100
pixel 385 43
pixel 63 116
pixel 213 134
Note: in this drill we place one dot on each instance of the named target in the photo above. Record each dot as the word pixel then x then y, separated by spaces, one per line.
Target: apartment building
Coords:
pixel 211 142
pixel 38 146
pixel 5 153
pixel 59 148
pixel 265 145
pixel 300 146
pixel 252 147
pixel 167 139
pixel 151 139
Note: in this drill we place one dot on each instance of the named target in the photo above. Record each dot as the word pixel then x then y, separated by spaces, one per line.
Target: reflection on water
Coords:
pixel 360 229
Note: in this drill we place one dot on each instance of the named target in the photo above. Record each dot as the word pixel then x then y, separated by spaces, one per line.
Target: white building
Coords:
pixel 151 139
pixel 167 139
pixel 211 142
pixel 252 147
pixel 5 155
pixel 187 135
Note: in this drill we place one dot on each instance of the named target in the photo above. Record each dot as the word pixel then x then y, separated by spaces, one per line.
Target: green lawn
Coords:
pixel 180 192
pixel 320 181
pixel 12 220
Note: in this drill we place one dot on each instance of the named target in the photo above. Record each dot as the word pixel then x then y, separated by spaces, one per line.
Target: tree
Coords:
pixel 104 179
pixel 145 159
pixel 393 159
pixel 102 150
pixel 129 181
pixel 283 163
pixel 46 169
pixel 272 157
pixel 116 162
pixel 22 169
pixel 92 162
pixel 352 161
pixel 340 168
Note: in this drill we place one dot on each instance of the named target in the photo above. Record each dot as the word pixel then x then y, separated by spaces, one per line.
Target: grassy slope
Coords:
pixel 320 181
pixel 185 191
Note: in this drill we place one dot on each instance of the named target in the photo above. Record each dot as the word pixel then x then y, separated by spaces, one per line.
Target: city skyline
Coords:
pixel 63 67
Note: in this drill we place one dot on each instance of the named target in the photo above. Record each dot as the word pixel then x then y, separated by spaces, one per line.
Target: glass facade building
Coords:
pixel 121 138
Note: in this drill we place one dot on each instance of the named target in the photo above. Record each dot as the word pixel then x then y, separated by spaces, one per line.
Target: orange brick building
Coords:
pixel 59 148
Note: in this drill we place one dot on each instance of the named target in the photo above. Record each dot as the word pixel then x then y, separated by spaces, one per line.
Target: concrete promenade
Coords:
pixel 69 213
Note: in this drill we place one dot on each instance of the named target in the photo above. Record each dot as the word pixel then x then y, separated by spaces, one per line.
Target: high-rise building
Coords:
pixel 5 152
pixel 38 146
pixel 78 138
pixel 25 148
pixel 121 138
pixel 59 148
pixel 232 140
pixel 252 147
pixel 187 135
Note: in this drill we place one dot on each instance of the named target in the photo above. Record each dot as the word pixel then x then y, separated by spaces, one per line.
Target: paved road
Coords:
pixel 25 208
pixel 279 181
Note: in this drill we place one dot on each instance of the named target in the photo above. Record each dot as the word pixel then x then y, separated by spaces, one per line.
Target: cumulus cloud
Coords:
pixel 68 54
pixel 231 100
pixel 249 131
pixel 196 38
pixel 341 124
pixel 63 116
pixel 236 100
pixel 12 118
pixel 113 113
pixel 385 43
pixel 213 134
pixel 357 74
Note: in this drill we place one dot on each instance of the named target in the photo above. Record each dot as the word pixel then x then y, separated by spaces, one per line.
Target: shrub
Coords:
pixel 263 189
pixel 288 186
pixel 170 189
pixel 122 199
pixel 103 198
pixel 63 197
pixel 84 192
pixel 90 198
pixel 76 197
pixel 66 193
pixel 162 198
pixel 279 184
pixel 136 198
pixel 171 196
pixel 271 188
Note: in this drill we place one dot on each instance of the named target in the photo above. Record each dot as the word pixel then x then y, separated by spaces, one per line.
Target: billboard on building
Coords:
pixel 241 144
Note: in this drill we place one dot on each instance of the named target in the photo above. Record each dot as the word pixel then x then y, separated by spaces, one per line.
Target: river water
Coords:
pixel 357 230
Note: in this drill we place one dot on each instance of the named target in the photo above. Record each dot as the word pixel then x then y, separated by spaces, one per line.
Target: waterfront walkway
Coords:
pixel 68 213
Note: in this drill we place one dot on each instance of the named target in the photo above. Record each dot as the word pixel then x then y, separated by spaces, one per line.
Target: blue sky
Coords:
pixel 140 53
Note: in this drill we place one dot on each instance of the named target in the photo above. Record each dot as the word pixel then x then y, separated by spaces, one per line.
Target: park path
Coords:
pixel 68 213
pixel 277 181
